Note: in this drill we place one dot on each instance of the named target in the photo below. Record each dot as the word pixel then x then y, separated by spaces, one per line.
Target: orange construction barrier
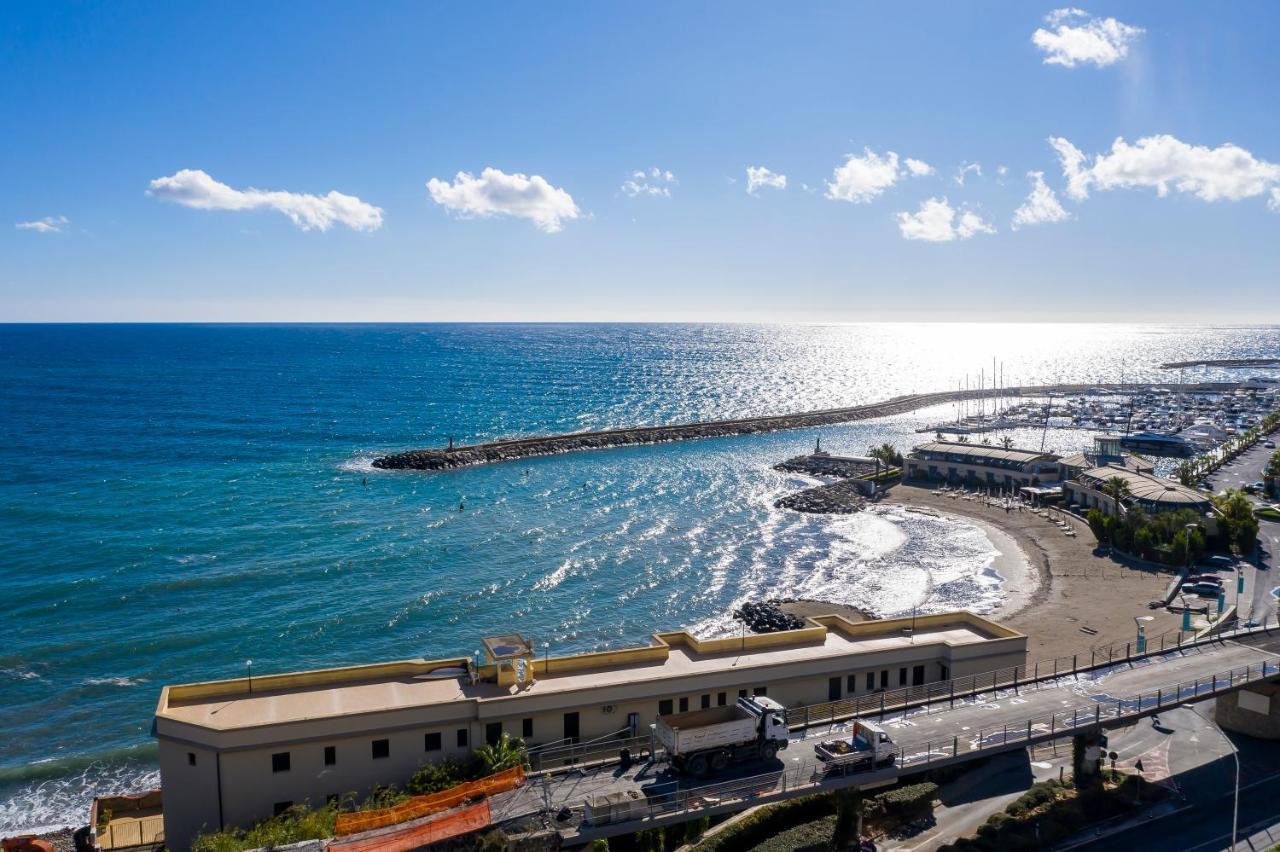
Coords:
pixel 459 822
pixel 434 803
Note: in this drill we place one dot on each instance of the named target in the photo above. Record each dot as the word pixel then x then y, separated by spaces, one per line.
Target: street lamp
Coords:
pixel 1187 543
pixel 1235 808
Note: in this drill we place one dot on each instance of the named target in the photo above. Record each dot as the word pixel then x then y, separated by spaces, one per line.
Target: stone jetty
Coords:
pixel 519 448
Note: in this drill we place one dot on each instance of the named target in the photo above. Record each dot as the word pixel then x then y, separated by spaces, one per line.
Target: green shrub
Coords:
pixel 750 831
pixel 434 777
pixel 296 824
pixel 493 841
pixel 908 799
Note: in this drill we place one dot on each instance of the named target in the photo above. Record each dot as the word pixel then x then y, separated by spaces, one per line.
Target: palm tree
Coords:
pixel 506 753
pixel 1006 442
pixel 1117 488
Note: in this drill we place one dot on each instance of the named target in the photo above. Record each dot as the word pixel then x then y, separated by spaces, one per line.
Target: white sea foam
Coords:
pixel 44 805
pixel 114 681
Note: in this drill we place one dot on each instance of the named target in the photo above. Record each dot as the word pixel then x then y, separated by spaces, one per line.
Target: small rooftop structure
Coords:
pixel 1152 493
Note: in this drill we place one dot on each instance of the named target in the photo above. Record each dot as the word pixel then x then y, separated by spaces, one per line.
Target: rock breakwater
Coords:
pixel 838 498
pixel 518 448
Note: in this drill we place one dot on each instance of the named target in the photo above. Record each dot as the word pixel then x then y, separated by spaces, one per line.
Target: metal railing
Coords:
pixel 669 806
pixel 569 754
pixel 884 702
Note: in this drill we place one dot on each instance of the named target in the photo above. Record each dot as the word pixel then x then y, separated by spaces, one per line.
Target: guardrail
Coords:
pixel 676 805
pixel 882 703
pixel 576 754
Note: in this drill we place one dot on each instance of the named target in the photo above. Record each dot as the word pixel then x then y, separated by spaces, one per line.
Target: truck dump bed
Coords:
pixel 699 729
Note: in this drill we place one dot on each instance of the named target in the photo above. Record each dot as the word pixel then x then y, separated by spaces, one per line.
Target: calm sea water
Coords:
pixel 178 499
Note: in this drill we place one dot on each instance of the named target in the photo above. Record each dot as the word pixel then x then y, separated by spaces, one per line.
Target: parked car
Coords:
pixel 1218 561
pixel 1204 578
pixel 1204 590
pixel 1270 445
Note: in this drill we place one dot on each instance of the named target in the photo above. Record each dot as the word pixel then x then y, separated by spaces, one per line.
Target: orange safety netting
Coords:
pixel 459 822
pixel 421 806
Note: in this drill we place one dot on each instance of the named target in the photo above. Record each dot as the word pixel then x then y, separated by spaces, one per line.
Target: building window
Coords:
pixel 706 701
pixel 871 681
pixel 280 761
pixel 330 755
pixel 760 690
pixel 526 728
pixel 742 693
pixel 462 738
pixel 665 707
pixel 944 673
pixel 381 749
pixel 191 758
pixel 280 807
pixel 917 675
pixel 833 689
pixel 851 684
pixel 684 705
pixel 722 698
pixel 431 742
pixel 902 676
pixel 884 678
pixel 493 732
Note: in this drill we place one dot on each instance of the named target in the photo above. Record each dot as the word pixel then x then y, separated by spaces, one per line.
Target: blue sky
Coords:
pixel 135 132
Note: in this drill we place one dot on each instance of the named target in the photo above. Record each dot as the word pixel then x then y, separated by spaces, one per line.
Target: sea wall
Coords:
pixel 518 448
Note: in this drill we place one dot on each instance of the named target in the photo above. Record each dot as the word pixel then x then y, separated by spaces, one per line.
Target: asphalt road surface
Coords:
pixel 935 730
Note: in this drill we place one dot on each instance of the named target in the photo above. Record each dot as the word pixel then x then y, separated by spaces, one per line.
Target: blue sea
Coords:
pixel 179 499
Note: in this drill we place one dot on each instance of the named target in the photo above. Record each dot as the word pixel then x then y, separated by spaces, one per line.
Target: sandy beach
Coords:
pixel 1063 595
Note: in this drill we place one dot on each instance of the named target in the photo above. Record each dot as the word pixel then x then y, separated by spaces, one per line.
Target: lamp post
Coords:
pixel 1187 543
pixel 249 665
pixel 1235 807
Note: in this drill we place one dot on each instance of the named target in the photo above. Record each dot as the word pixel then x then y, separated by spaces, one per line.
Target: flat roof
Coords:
pixel 1146 487
pixel 984 451
pixel 294 698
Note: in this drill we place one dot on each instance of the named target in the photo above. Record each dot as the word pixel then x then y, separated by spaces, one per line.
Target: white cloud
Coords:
pixel 758 176
pixel 1041 206
pixel 195 188
pixel 918 168
pixel 1211 174
pixel 1274 202
pixel 861 179
pixel 496 193
pixel 965 170
pixel 936 222
pixel 47 225
pixel 1075 37
pixel 655 181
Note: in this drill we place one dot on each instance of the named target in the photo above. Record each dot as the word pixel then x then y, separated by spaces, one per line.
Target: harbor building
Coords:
pixel 1150 492
pixel 980 465
pixel 237 751
pixel 1107 450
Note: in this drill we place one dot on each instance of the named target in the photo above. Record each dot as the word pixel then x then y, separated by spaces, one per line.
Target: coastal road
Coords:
pixel 1258 601
pixel 934 733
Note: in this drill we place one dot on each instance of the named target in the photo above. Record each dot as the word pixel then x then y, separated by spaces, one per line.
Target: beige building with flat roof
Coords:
pixel 232 753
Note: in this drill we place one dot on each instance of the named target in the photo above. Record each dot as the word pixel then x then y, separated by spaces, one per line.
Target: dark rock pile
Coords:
pixel 839 498
pixel 767 617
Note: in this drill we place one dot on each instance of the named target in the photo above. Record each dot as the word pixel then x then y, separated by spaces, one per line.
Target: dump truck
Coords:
pixel 701 742
pixel 866 747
